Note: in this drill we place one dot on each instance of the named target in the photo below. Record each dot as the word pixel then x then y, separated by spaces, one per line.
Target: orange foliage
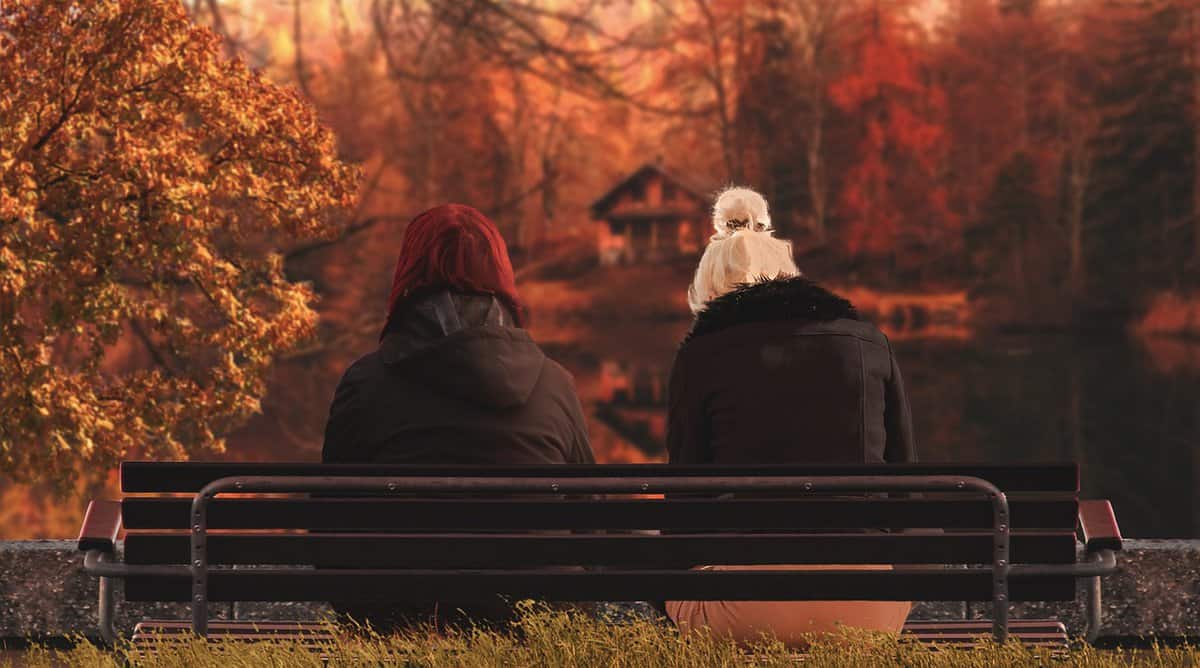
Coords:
pixel 892 195
pixel 36 511
pixel 143 182
pixel 1171 314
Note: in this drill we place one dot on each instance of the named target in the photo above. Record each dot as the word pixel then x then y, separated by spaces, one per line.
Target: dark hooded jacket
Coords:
pixel 454 382
pixel 785 372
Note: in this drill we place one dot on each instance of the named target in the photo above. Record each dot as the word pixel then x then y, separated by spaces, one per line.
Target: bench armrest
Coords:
pixel 1099 526
pixel 101 524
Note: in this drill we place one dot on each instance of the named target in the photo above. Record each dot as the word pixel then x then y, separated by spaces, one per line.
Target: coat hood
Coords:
pixel 464 346
pixel 793 298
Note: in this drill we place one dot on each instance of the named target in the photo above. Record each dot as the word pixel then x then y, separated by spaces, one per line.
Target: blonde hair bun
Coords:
pixel 742 252
pixel 738 209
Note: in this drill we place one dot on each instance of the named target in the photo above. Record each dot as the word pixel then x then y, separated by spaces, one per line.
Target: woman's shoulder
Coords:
pixel 555 375
pixel 363 369
pixel 789 301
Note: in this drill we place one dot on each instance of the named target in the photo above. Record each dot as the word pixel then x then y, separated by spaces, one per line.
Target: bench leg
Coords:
pixel 1095 613
pixel 107 605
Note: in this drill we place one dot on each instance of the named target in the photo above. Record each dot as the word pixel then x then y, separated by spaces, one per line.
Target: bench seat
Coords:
pixel 950 533
pixel 1031 632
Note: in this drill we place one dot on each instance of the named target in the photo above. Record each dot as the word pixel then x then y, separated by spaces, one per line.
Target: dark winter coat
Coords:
pixel 453 382
pixel 785 372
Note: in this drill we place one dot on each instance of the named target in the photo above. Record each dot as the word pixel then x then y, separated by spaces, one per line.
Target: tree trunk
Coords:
pixel 1018 260
pixel 1077 276
pixel 1195 56
pixel 729 152
pixel 817 187
pixel 1078 183
pixel 298 62
pixel 1075 411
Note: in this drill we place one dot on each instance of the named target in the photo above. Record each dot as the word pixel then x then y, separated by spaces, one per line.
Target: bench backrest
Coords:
pixel 423 548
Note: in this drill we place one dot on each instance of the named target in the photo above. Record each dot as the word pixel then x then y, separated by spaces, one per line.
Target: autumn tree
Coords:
pixel 1018 82
pixel 1079 123
pixel 144 183
pixel 705 62
pixel 1000 67
pixel 1192 58
pixel 506 105
pixel 772 120
pixel 893 199
pixel 816 26
pixel 1012 217
pixel 785 112
pixel 1143 202
pixel 442 100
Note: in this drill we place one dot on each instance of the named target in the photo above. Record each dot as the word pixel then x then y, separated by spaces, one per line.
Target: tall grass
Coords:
pixel 545 637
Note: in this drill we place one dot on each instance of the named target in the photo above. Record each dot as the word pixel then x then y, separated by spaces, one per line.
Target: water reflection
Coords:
pixel 631 402
pixel 1128 411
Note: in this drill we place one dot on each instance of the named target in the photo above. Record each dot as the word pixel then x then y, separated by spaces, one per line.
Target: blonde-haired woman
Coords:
pixel 778 370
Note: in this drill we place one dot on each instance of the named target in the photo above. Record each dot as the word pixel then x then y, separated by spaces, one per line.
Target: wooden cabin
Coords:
pixel 650 216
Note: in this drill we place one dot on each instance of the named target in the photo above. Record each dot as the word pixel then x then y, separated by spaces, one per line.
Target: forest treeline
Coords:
pixel 172 223
pixel 1041 153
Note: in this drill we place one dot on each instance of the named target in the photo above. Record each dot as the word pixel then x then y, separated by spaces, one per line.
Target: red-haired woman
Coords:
pixel 456 379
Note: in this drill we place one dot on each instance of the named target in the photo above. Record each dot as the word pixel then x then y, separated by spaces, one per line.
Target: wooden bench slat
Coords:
pixel 266 584
pixel 984 624
pixel 248 634
pixel 945 631
pixel 957 632
pixel 498 551
pixel 155 631
pixel 1056 642
pixel 173 625
pixel 973 635
pixel 677 514
pixel 137 477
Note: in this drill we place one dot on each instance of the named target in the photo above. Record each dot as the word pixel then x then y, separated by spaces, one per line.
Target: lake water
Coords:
pixel 1127 410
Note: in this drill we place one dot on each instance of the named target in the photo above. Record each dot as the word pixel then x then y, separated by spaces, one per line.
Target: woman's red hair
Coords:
pixel 455 246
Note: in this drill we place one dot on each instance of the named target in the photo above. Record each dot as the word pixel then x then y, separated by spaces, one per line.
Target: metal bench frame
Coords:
pixel 97 561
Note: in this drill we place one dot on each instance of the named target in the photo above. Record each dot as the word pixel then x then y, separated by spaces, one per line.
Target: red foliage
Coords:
pixel 892 196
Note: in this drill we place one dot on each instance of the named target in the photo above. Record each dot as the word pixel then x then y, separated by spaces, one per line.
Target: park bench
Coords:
pixel 995 534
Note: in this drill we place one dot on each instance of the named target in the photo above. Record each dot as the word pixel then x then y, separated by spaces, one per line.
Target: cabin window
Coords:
pixel 638 191
pixel 668 192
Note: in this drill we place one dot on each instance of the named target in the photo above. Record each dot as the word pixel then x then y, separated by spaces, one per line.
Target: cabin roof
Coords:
pixel 698 192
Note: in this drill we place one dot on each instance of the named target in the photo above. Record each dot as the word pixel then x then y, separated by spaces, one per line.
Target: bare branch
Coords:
pixel 513 202
pixel 298 40
pixel 151 347
pixel 350 231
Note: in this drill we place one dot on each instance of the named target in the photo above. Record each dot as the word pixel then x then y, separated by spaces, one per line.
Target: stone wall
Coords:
pixel 44 593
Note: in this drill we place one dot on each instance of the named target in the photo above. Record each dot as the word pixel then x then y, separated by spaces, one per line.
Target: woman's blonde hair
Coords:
pixel 742 251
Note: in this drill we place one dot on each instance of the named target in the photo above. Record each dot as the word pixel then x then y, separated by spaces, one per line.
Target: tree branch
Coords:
pixel 155 353
pixel 351 230
pixel 498 209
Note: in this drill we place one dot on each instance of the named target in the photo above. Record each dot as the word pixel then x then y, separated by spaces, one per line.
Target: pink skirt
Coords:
pixel 795 623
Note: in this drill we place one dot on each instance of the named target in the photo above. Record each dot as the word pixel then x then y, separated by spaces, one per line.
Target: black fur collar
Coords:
pixel 794 298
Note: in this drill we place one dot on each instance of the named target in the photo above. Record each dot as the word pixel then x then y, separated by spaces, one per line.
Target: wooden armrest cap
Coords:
pixel 101 524
pixel 1099 526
